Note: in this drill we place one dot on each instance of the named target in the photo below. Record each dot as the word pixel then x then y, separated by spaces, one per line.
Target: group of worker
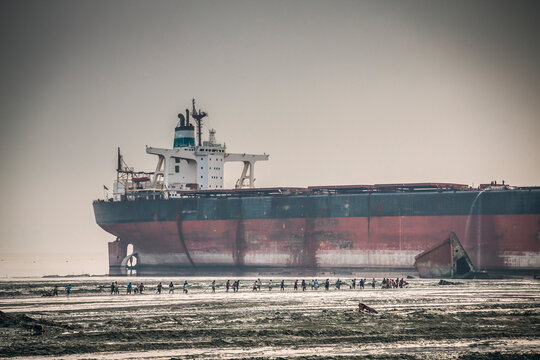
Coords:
pixel 297 285
pixel 257 285
pixel 140 288
pixel 391 283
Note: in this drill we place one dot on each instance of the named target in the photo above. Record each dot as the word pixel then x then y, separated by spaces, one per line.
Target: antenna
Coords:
pixel 119 161
pixel 121 164
pixel 198 116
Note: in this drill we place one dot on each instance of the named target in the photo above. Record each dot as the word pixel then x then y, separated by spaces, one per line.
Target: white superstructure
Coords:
pixel 187 166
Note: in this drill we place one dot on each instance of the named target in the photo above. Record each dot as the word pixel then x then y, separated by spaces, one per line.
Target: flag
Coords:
pixel 106 188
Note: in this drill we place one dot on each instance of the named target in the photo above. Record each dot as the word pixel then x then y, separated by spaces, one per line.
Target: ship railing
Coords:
pixel 412 187
pixel 281 191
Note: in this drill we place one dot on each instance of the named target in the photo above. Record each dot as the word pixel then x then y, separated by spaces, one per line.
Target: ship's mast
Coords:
pixel 198 116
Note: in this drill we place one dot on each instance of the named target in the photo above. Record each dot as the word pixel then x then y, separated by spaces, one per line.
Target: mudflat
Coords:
pixel 473 319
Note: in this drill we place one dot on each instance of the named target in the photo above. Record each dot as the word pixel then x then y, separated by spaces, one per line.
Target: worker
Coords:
pixel 185 287
pixel 129 287
pixel 327 284
pixel 354 283
pixel 213 286
pixel 159 286
pixel 303 285
pixel 282 285
pixel 171 288
pixel 68 290
pixel 227 286
pixel 296 285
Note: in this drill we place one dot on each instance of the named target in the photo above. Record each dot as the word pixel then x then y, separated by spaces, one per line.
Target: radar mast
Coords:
pixel 198 116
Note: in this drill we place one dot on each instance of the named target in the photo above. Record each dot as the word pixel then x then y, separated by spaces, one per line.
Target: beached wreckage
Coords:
pixel 447 259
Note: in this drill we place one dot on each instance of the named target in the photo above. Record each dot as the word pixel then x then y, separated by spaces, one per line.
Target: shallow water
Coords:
pixel 423 320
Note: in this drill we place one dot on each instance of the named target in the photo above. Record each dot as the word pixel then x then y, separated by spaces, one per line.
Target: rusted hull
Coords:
pixel 447 259
pixel 332 242
pixel 436 262
pixel 310 233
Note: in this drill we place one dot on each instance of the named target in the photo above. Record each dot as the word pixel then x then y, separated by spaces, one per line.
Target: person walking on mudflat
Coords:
pixel 129 287
pixel 227 286
pixel 68 289
pixel 303 285
pixel 214 286
pixel 159 286
pixel 296 285
pixel 185 287
pixel 282 285
pixel 171 288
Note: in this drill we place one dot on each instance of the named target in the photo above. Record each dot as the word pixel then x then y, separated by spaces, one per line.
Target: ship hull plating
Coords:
pixel 498 229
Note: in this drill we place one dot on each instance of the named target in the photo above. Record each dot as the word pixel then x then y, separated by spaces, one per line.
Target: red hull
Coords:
pixel 492 241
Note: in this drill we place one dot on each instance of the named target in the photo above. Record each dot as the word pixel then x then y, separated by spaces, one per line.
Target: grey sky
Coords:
pixel 337 92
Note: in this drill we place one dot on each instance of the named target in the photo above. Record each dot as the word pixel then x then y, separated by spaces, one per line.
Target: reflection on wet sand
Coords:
pixel 476 317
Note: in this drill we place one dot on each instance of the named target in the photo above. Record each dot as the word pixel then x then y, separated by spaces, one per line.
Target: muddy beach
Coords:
pixel 475 319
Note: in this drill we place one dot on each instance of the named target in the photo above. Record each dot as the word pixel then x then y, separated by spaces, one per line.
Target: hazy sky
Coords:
pixel 337 92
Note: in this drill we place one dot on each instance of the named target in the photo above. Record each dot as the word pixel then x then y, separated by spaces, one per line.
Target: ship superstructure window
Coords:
pixel 177 160
pixel 177 169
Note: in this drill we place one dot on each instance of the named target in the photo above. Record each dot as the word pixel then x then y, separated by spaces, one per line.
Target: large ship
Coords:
pixel 180 216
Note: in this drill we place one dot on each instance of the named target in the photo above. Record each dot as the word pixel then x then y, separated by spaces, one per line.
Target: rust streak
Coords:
pixel 179 222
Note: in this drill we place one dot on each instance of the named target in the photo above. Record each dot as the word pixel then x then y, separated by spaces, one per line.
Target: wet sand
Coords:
pixel 478 319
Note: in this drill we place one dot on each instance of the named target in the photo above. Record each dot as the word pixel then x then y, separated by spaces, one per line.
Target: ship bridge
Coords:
pixel 194 164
